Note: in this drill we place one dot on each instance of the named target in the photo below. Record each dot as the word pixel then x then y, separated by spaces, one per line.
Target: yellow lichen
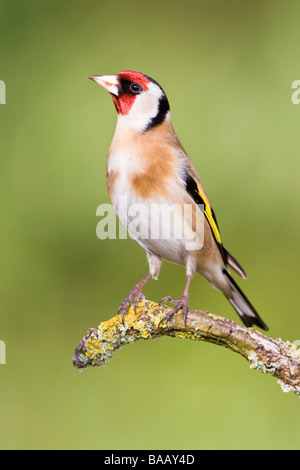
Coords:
pixel 112 334
pixel 93 348
pixel 186 335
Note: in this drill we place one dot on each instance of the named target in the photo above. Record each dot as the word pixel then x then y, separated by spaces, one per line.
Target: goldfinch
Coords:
pixel 147 166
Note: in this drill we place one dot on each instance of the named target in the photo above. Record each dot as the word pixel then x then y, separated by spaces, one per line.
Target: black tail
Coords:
pixel 242 305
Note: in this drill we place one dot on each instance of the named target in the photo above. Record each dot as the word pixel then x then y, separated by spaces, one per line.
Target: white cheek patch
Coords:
pixel 144 108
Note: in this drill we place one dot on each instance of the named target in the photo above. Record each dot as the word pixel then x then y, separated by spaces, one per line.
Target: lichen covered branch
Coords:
pixel 281 359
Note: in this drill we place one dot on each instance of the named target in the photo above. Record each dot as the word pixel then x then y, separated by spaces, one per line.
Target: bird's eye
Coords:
pixel 135 87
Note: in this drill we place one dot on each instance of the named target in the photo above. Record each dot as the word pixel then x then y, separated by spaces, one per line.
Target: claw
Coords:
pixel 168 298
pixel 180 304
pixel 134 296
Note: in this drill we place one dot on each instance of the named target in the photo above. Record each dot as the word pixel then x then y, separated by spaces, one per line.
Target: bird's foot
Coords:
pixel 134 296
pixel 180 304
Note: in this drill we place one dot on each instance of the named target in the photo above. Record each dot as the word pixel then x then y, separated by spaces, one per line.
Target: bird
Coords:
pixel 148 167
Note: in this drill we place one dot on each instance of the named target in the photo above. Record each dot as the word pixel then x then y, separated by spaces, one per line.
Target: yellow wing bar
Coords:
pixel 210 216
pixel 194 190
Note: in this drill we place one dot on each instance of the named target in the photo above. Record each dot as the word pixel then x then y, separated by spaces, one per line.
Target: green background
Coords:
pixel 227 68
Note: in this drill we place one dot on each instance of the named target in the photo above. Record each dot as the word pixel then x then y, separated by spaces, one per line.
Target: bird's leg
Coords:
pixel 134 296
pixel 180 304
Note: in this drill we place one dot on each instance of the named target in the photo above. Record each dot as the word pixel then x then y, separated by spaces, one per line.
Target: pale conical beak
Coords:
pixel 109 82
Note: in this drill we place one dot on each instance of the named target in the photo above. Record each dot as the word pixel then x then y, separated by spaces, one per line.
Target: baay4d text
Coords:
pixel 168 459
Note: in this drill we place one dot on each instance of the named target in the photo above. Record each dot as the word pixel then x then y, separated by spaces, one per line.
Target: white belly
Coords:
pixel 162 227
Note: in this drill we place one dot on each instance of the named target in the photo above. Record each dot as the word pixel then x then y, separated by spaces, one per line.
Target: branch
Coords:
pixel 278 358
